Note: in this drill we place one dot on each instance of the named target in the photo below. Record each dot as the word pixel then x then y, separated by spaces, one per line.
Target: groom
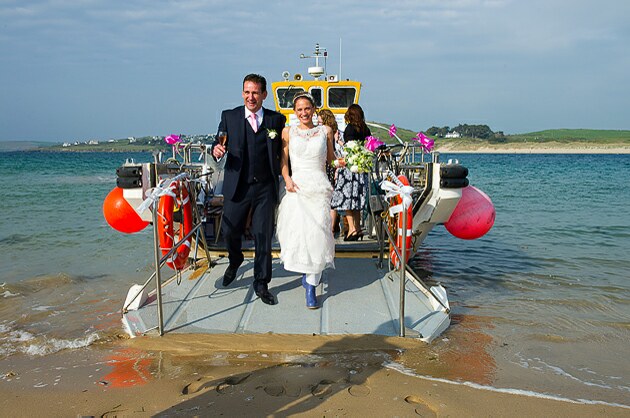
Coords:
pixel 250 180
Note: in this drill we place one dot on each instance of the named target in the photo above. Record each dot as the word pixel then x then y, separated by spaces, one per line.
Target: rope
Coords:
pixel 162 189
pixel 396 188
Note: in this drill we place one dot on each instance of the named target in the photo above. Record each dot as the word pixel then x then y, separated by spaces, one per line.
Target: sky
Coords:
pixel 101 69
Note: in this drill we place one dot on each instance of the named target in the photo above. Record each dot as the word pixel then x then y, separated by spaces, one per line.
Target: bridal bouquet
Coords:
pixel 358 158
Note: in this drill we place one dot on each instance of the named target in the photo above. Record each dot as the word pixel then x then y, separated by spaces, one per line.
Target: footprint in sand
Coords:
pixel 322 389
pixel 360 391
pixel 197 385
pixel 292 391
pixel 274 390
pixel 422 408
pixel 227 386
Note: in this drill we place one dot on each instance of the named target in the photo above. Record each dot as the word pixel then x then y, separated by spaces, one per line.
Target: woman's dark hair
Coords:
pixel 355 116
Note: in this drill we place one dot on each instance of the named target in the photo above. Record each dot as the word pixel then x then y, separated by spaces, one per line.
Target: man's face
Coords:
pixel 253 96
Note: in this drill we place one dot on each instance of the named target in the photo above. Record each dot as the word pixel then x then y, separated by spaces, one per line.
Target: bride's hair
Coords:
pixel 304 95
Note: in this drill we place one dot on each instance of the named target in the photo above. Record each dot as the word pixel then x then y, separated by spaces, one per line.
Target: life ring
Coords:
pixel 399 233
pixel 178 195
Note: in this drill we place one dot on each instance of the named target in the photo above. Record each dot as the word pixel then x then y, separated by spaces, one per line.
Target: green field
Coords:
pixel 574 135
pixel 565 136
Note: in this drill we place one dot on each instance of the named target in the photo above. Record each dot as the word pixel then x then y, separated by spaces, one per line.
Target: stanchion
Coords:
pixel 158 276
pixel 403 270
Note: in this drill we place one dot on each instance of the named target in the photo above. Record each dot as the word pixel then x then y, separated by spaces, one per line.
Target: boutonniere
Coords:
pixel 272 134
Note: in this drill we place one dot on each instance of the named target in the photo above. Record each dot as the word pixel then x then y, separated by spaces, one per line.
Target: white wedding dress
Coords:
pixel 304 222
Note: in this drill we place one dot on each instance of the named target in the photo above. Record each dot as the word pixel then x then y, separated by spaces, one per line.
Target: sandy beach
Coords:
pixel 261 375
pixel 535 148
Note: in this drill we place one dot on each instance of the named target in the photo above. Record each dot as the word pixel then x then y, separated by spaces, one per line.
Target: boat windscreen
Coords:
pixel 285 96
pixel 317 92
pixel 341 97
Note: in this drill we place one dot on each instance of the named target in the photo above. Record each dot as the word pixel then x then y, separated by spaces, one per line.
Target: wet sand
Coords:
pixel 263 375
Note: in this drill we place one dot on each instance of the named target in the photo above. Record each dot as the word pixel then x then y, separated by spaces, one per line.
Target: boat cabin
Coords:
pixel 328 91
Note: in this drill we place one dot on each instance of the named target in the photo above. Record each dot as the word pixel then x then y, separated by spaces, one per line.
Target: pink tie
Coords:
pixel 253 122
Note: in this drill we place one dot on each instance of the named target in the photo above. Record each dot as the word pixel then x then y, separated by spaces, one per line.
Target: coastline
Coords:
pixel 540 148
pixel 550 147
pixel 259 375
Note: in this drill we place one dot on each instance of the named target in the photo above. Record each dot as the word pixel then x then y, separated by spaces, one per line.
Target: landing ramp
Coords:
pixel 355 298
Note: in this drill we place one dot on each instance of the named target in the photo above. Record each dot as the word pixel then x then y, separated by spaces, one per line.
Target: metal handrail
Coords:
pixel 403 267
pixel 162 261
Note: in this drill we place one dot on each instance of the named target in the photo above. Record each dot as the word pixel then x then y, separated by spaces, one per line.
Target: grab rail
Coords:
pixel 403 267
pixel 160 261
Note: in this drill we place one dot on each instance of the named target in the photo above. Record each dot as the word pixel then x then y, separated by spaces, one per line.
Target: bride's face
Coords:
pixel 304 111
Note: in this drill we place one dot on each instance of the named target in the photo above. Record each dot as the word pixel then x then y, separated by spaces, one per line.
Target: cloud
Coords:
pixel 448 60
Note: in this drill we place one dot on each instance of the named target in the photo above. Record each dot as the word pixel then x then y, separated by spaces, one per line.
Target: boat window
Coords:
pixel 317 93
pixel 285 96
pixel 341 96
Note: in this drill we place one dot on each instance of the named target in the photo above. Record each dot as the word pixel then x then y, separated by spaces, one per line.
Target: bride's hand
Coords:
pixel 290 186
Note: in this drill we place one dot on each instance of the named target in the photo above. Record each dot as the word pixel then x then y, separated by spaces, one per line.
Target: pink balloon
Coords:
pixel 172 139
pixel 473 216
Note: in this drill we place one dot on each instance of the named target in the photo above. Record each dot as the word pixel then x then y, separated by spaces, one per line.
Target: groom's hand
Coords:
pixel 218 151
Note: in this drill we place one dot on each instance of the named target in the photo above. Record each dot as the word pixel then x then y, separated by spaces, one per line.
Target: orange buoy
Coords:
pixel 178 196
pixel 120 215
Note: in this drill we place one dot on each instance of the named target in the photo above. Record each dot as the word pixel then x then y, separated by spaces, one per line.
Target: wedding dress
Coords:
pixel 304 222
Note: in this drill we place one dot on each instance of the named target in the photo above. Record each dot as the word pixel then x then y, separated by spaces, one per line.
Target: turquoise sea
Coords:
pixel 542 302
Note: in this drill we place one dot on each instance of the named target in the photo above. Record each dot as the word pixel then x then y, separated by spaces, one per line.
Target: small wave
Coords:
pixel 35 284
pixel 8 294
pixel 20 336
pixel 15 239
pixel 409 372
pixel 53 345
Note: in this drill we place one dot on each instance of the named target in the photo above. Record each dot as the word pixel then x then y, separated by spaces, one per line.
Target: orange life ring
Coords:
pixel 399 233
pixel 178 196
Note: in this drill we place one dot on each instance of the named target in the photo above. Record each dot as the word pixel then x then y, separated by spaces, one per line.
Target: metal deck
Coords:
pixel 355 298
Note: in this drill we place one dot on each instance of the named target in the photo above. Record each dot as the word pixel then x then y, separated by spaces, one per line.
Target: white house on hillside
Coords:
pixel 453 134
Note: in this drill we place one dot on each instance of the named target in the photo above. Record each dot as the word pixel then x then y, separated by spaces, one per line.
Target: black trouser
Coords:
pixel 261 198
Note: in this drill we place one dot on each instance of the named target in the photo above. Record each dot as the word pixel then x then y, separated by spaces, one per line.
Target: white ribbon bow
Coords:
pixel 162 189
pixel 393 190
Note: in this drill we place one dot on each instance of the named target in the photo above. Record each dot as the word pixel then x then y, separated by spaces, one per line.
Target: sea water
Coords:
pixel 541 303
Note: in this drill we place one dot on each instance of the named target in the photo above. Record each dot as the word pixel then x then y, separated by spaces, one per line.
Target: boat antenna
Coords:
pixel 317 71
pixel 340 78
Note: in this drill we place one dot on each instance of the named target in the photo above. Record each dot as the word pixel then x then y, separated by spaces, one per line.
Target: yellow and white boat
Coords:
pixel 364 295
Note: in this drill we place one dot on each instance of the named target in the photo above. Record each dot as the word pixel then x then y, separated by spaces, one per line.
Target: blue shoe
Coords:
pixel 311 298
pixel 304 284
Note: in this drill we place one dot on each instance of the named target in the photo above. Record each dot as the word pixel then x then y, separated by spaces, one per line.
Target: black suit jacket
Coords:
pixel 233 122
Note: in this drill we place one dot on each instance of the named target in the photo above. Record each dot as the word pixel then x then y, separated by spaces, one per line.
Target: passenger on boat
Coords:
pixel 351 188
pixel 251 173
pixel 306 242
pixel 326 117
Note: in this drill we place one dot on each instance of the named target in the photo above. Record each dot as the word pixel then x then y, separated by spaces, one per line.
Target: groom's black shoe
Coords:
pixel 264 294
pixel 230 275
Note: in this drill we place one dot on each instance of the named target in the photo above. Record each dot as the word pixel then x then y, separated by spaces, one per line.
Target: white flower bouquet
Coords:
pixel 358 158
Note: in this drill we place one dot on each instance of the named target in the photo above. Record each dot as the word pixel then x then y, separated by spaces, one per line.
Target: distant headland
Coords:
pixel 462 138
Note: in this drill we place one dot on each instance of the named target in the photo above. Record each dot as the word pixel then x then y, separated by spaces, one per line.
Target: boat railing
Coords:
pixel 389 165
pixel 194 172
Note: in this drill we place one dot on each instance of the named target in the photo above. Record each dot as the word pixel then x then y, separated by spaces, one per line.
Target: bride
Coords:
pixel 306 242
